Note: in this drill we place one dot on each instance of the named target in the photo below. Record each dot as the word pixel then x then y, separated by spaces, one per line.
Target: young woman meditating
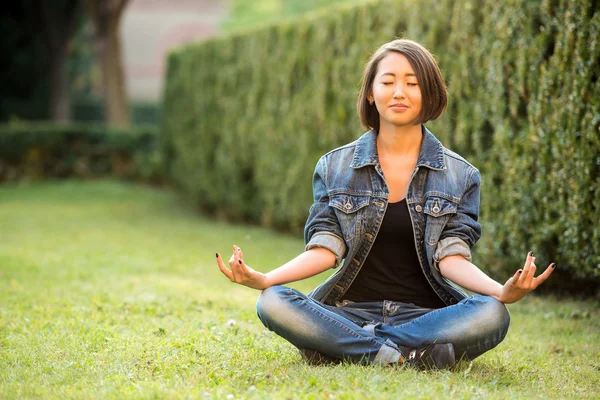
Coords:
pixel 399 212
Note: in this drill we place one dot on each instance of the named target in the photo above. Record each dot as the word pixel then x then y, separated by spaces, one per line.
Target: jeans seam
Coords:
pixel 340 324
pixel 432 312
pixel 415 319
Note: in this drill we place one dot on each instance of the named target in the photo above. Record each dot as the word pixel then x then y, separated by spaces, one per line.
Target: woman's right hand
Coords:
pixel 241 273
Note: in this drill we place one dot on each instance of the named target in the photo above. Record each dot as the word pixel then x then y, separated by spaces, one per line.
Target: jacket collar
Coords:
pixel 431 154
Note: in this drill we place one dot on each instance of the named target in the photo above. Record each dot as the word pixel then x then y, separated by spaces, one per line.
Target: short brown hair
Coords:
pixel 429 76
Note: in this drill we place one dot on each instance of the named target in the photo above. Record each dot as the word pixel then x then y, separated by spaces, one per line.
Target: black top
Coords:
pixel 391 270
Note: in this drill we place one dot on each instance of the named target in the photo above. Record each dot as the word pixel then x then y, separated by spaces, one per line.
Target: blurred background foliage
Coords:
pixel 23 84
pixel 248 14
pixel 39 150
pixel 52 67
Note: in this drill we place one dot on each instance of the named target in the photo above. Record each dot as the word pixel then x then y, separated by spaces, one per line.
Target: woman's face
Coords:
pixel 396 91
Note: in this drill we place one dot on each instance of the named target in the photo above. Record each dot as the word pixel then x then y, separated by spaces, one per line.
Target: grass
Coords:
pixel 110 290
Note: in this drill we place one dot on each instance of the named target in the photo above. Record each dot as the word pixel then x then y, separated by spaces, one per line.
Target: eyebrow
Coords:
pixel 392 74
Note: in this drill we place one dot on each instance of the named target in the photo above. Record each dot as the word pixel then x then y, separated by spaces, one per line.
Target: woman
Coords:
pixel 399 212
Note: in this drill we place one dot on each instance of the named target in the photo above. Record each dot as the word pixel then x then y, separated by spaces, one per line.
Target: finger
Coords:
pixel 241 271
pixel 234 268
pixel 526 267
pixel 239 268
pixel 236 252
pixel 530 275
pixel 516 276
pixel 544 275
pixel 223 268
pixel 243 268
pixel 236 262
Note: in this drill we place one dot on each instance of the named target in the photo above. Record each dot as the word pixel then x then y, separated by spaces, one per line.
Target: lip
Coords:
pixel 399 106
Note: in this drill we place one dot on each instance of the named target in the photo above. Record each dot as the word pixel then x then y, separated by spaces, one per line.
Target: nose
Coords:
pixel 399 92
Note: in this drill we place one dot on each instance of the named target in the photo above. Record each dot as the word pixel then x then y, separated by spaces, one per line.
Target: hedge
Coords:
pixel 92 110
pixel 246 117
pixel 38 150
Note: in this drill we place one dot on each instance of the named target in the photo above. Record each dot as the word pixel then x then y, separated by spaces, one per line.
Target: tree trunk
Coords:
pixel 59 23
pixel 60 105
pixel 106 15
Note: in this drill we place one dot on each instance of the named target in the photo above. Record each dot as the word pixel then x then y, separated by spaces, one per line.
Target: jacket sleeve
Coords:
pixel 322 228
pixel 462 231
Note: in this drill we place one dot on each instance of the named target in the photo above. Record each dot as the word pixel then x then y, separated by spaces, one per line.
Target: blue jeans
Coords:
pixel 371 332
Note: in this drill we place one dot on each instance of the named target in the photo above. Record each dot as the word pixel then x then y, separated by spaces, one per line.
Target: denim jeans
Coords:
pixel 371 332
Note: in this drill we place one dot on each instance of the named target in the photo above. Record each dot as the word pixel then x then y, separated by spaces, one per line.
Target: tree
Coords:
pixel 23 81
pixel 59 22
pixel 106 16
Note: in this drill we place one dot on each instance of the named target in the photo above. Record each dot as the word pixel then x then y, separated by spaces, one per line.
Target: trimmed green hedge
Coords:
pixel 92 110
pixel 246 117
pixel 46 150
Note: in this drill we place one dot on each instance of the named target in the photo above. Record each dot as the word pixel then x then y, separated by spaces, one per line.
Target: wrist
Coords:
pixel 497 292
pixel 267 281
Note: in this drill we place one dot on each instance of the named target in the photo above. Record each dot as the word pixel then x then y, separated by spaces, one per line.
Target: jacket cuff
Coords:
pixel 329 241
pixel 451 246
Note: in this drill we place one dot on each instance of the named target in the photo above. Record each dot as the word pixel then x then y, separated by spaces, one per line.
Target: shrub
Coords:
pixel 90 109
pixel 47 150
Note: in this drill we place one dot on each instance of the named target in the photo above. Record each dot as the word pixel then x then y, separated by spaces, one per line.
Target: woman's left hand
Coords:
pixel 524 281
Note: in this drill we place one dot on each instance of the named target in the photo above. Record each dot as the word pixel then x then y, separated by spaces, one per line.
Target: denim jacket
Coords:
pixel 351 197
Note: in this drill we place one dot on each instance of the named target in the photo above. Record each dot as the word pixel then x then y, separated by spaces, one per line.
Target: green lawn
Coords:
pixel 110 290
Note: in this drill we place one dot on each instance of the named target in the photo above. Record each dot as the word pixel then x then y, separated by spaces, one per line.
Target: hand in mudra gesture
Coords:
pixel 241 273
pixel 524 281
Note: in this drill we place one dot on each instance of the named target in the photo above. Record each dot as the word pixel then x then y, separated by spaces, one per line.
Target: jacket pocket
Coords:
pixel 347 208
pixel 439 211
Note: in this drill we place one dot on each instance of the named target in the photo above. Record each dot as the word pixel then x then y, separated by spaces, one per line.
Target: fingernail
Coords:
pixel 519 271
pixel 239 249
pixel 217 255
pixel 530 254
pixel 240 261
pixel 553 265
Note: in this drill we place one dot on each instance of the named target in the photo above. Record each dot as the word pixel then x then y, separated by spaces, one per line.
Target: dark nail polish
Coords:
pixel 239 249
pixel 530 254
pixel 553 265
pixel 217 255
pixel 519 271
pixel 240 261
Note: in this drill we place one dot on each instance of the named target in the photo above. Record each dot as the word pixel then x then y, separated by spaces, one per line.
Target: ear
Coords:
pixel 370 96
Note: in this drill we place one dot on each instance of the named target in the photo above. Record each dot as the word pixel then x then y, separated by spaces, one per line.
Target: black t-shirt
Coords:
pixel 391 270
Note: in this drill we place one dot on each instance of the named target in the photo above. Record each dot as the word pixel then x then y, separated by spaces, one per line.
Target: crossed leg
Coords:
pixel 474 326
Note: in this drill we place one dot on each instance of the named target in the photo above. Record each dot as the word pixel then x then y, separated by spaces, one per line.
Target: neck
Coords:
pixel 399 141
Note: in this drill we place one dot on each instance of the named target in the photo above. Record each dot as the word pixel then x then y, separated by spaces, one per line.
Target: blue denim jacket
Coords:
pixel 351 197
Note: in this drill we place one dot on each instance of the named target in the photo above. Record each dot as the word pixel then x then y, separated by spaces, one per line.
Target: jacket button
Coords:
pixel 419 208
pixel 436 209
